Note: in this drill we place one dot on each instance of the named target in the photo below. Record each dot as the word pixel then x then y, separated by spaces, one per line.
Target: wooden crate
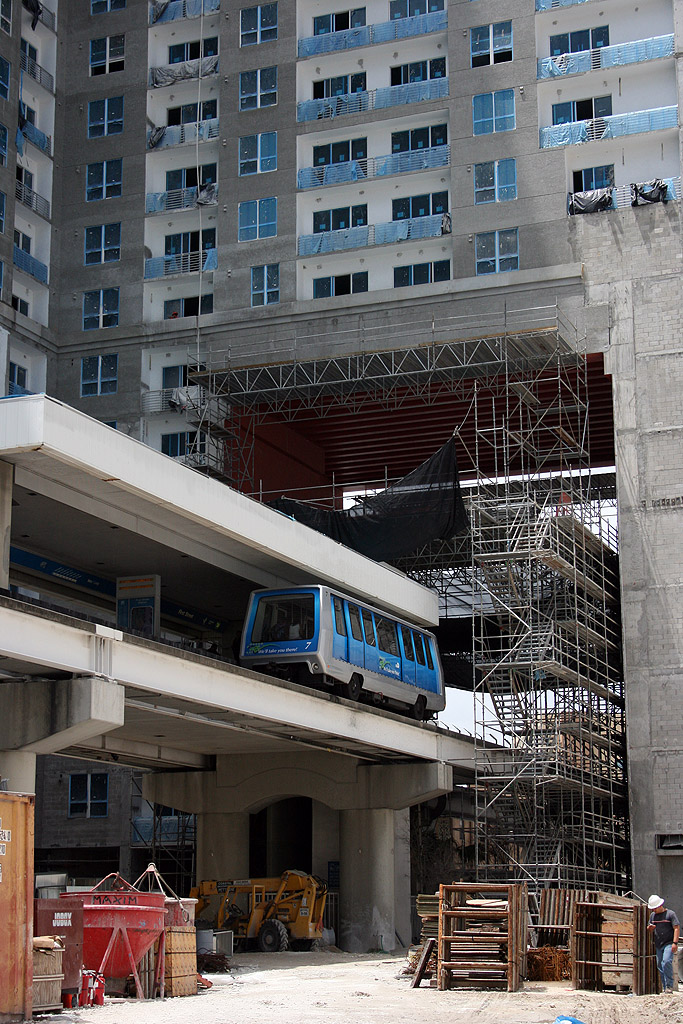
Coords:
pixel 181 940
pixel 179 965
pixel 47 979
pixel 185 985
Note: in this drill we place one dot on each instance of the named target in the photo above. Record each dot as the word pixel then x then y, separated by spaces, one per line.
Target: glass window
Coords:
pixel 342 284
pixel 491 44
pixel 107 54
pixel 3 200
pixel 495 181
pixel 406 637
pixel 354 619
pixel 100 309
pixel 368 627
pixel 5 68
pixel 104 180
pixel 280 617
pixel 428 652
pixel 6 16
pixel 577 42
pixel 258 24
pixel 411 8
pixel 493 112
pixel 174 308
pixel 257 218
pixel 419 649
pixel 265 284
pixel 3 145
pixel 103 243
pixel 339 620
pixel 387 639
pixel 258 88
pixel 99 375
pixel 101 6
pixel 497 251
pixel 258 153
pixel 593 177
pixel 105 117
pixel 422 273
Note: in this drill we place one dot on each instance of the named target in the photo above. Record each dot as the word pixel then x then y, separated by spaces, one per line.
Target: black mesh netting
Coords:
pixel 421 507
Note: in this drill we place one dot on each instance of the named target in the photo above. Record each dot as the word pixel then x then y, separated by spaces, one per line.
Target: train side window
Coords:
pixel 406 636
pixel 387 638
pixel 339 622
pixel 369 629
pixel 428 651
pixel 354 619
pixel 419 649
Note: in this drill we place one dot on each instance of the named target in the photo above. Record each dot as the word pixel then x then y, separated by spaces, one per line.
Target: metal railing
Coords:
pixel 612 127
pixel 31 199
pixel 173 399
pixel 46 15
pixel 621 195
pixel 37 72
pixel 374 167
pixel 181 263
pixel 370 234
pixel 547 5
pixel 17 390
pixel 375 99
pixel 184 134
pixel 366 35
pixel 180 9
pixel 38 138
pixel 30 265
pixel 173 199
pixel 634 52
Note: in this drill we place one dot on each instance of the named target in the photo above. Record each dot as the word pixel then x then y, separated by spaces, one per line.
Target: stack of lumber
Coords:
pixel 427 906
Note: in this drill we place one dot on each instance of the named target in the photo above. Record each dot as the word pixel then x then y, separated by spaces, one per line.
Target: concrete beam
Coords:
pixel 155 755
pixel 46 715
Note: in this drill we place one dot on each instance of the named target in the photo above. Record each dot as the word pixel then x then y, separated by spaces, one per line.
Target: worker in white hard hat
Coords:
pixel 666 928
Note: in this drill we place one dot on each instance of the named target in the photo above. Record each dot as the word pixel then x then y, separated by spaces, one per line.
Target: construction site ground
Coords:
pixel 331 987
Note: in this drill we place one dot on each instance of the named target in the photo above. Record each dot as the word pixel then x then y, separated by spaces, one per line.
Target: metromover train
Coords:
pixel 317 636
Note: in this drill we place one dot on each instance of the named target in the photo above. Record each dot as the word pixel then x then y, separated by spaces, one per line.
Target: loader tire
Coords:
pixel 273 937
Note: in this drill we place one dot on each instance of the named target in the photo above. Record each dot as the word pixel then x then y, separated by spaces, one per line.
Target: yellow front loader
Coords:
pixel 269 913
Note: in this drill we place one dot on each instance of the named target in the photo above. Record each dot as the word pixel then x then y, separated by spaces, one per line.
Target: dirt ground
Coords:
pixel 331 987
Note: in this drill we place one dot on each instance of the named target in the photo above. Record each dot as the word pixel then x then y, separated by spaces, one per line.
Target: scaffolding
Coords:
pixel 537 574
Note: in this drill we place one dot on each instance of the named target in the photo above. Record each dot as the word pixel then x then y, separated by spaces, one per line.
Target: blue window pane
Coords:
pixel 95 118
pixel 485 252
pixel 267 218
pixel 482 113
pixel 268 161
pixel 247 214
pixel 504 106
pixel 507 180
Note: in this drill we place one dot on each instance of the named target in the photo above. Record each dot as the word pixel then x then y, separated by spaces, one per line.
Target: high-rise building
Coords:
pixel 196 189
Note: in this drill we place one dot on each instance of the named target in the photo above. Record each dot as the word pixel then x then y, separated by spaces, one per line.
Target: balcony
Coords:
pixel 160 12
pixel 38 138
pixel 374 167
pixel 16 390
pixel 180 199
pixel 182 134
pixel 30 265
pixel 366 35
pixel 613 127
pixel 173 399
pixel 617 198
pixel 182 263
pixel 547 5
pixel 376 99
pixel 31 199
pixel 635 52
pixel 41 76
pixel 46 16
pixel 184 71
pixel 371 234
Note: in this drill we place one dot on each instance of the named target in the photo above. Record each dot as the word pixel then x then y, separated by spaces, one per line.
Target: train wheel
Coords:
pixel 351 690
pixel 419 709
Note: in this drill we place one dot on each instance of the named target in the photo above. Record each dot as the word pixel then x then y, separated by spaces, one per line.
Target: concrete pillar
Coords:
pixel 402 895
pixel 222 846
pixel 18 771
pixel 367 889
pixel 6 486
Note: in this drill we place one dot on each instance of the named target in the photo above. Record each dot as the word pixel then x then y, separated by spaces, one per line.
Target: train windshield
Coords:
pixel 284 617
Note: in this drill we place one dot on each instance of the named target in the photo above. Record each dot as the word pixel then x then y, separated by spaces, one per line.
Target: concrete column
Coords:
pixel 6 486
pixel 402 904
pixel 18 770
pixel 367 889
pixel 222 846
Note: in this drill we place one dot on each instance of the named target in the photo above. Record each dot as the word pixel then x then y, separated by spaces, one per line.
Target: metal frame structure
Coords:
pixel 538 568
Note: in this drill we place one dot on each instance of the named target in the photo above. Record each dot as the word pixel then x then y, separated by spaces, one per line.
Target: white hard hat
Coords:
pixel 654 902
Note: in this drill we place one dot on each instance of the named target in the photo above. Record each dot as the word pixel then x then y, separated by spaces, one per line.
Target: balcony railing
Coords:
pixel 16 390
pixel 374 167
pixel 177 199
pixel 366 35
pixel 31 199
pixel 163 11
pixel 30 265
pixel 41 76
pixel 635 52
pixel 621 196
pixel 376 99
pixel 38 138
pixel 182 134
pixel 613 127
pixel 184 71
pixel 547 5
pixel 371 234
pixel 182 263
pixel 46 15
pixel 173 399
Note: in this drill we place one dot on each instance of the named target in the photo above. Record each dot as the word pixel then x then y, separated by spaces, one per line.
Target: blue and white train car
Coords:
pixel 317 636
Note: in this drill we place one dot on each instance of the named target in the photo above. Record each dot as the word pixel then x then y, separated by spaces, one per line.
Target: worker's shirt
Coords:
pixel 664 927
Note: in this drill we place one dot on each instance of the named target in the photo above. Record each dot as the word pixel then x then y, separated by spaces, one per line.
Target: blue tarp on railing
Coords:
pixel 333 241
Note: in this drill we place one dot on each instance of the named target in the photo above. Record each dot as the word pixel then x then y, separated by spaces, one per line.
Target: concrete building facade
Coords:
pixel 298 180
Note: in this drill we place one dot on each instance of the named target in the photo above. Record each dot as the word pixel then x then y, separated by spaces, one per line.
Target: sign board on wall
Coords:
pixel 138 601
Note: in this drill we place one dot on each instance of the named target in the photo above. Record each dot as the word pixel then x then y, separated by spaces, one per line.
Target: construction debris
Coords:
pixel 549 963
pixel 213 963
